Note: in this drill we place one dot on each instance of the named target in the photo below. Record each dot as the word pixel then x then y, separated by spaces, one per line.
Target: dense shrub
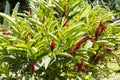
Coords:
pixel 58 40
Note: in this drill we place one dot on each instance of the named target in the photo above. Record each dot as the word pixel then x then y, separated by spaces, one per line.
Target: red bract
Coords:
pixel 86 69
pixel 79 66
pixel 93 57
pixel 80 41
pixel 97 32
pixel 72 52
pixel 33 67
pixel 109 49
pixel 102 25
pixel 30 11
pixel 63 14
pixel 5 33
pixel 85 37
pixel 77 46
pixel 97 59
pixel 92 40
pixel 52 44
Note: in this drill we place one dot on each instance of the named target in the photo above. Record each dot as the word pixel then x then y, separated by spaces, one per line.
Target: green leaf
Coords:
pixel 74 28
pixel 9 57
pixel 5 69
pixel 21 45
pixel 8 18
pixel 35 21
pixel 15 10
pixel 53 36
pixel 105 42
pixel 41 54
pixel 7 11
pixel 34 50
pixel 57 4
pixel 64 55
pixel 74 5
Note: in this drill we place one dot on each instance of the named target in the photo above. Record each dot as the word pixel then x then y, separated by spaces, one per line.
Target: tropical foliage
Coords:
pixel 58 40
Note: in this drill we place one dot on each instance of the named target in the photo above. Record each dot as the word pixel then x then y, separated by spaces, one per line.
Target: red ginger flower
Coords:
pixel 80 41
pixel 78 44
pixel 5 33
pixel 93 57
pixel 101 27
pixel 63 14
pixel 33 67
pixel 97 32
pixel 79 66
pixel 30 11
pixel 86 69
pixel 92 39
pixel 52 44
pixel 72 52
pixel 109 49
pixel 85 37
pixel 97 59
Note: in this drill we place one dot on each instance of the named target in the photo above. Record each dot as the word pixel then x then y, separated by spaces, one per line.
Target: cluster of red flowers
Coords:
pixel 64 15
pixel 33 63
pixel 64 12
pixel 97 57
pixel 101 27
pixel 81 66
